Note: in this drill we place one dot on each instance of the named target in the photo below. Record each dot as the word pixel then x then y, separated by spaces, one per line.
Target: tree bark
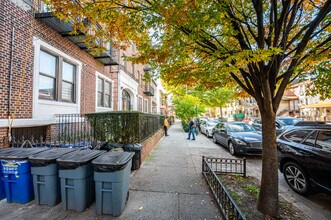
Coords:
pixel 268 198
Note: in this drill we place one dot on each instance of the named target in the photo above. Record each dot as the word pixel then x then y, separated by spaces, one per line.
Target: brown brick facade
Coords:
pixel 18 18
pixel 150 143
pixel 15 17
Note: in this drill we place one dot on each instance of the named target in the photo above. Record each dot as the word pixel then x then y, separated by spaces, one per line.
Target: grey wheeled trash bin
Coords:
pixel 112 180
pixel 76 177
pixel 136 160
pixel 46 182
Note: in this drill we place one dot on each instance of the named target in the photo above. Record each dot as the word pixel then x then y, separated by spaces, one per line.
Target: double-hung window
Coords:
pixel 140 104
pixel 57 78
pixel 104 93
pixel 146 106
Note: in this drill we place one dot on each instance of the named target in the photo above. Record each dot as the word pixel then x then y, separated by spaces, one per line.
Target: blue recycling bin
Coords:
pixel 16 171
pixel 3 152
pixel 2 184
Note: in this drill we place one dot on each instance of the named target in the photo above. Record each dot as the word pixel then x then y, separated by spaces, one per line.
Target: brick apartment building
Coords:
pixel 62 76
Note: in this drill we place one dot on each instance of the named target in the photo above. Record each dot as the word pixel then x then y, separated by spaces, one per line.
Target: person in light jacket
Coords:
pixel 166 126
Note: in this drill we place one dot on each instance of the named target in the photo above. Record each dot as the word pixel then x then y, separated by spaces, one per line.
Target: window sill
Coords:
pixel 56 103
pixel 103 109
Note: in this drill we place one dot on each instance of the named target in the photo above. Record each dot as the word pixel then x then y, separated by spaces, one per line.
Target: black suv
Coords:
pixel 304 157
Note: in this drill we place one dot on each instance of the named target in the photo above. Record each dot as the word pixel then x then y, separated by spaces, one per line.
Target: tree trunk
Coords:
pixel 268 198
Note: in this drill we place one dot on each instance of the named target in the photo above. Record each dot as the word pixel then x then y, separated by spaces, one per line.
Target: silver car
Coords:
pixel 207 128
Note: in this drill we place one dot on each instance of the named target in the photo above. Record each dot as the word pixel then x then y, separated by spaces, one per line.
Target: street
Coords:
pixel 316 206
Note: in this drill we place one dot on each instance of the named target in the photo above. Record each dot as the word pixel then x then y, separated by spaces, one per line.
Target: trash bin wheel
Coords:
pixel 127 197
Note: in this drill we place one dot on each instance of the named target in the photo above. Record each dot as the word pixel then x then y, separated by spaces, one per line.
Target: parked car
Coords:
pixel 304 157
pixel 199 120
pixel 238 137
pixel 250 120
pixel 309 123
pixel 288 121
pixel 257 124
pixel 207 128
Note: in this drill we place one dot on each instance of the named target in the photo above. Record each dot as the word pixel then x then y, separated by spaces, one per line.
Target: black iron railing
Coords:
pixel 227 205
pixel 123 127
pixel 35 136
pixel 149 90
pixel 151 125
pixel 74 130
pixel 227 165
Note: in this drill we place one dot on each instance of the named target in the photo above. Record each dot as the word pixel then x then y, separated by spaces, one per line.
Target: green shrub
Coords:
pixel 186 126
pixel 124 126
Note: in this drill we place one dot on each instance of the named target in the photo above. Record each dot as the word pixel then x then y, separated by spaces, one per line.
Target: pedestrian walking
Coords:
pixel 192 130
pixel 166 126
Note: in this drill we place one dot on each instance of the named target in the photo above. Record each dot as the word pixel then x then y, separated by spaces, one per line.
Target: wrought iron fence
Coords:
pixel 227 165
pixel 87 130
pixel 227 205
pixel 74 130
pixel 150 126
pixel 34 136
pixel 78 129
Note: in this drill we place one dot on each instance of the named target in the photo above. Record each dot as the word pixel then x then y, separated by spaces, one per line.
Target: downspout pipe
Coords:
pixel 11 71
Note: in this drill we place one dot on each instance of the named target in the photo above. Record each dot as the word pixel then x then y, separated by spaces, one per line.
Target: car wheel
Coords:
pixel 214 138
pixel 231 148
pixel 296 178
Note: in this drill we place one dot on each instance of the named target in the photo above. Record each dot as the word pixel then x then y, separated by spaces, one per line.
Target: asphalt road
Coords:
pixel 317 206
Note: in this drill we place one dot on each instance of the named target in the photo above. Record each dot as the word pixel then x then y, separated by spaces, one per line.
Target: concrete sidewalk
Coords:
pixel 169 185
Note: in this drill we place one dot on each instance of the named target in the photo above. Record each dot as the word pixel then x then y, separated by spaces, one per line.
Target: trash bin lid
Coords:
pixel 77 158
pixel 21 153
pixel 49 157
pixel 6 151
pixel 112 161
pixel 133 147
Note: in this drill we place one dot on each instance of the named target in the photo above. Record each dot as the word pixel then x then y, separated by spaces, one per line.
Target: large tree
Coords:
pixel 187 107
pixel 260 45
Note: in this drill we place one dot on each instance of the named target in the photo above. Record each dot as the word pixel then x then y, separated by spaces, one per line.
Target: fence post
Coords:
pixel 203 168
pixel 245 167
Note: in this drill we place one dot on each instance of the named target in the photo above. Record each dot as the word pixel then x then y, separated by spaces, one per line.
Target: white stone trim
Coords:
pixel 4 123
pixel 38 103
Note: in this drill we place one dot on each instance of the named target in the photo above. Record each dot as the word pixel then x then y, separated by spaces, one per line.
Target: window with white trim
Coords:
pixel 140 104
pixel 146 106
pixel 57 78
pixel 104 93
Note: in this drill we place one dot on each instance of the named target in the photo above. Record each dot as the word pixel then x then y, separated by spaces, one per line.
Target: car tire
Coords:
pixel 231 148
pixel 296 178
pixel 214 139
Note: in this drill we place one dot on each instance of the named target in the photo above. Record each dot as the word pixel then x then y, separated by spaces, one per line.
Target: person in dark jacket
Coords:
pixel 192 130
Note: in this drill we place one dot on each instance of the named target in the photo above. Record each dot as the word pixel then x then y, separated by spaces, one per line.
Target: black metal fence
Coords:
pixel 227 205
pixel 123 127
pixel 73 130
pixel 88 130
pixel 227 165
pixel 35 136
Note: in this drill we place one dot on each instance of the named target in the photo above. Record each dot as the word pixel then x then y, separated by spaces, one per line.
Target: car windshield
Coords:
pixel 242 127
pixel 211 124
pixel 289 121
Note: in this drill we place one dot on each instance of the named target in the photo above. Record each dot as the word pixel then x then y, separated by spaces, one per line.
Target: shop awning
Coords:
pixel 318 105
